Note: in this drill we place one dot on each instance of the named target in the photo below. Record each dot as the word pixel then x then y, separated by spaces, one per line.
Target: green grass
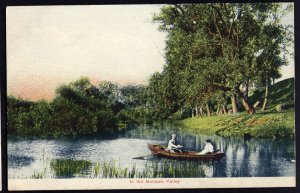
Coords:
pixel 280 93
pixel 262 125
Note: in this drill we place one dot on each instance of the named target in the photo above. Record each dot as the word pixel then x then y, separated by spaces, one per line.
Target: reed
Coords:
pixel 69 167
pixel 160 168
pixel 38 175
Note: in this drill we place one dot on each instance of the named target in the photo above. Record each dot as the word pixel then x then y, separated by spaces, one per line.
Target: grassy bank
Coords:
pixel 262 124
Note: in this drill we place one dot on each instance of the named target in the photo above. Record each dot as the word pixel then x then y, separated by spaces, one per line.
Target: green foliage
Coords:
pixel 138 115
pixel 18 115
pixel 137 107
pixel 133 95
pixel 68 118
pixel 211 51
pixel 41 115
pixel 79 108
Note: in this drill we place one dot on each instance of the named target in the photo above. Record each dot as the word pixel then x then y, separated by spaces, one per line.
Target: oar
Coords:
pixel 142 157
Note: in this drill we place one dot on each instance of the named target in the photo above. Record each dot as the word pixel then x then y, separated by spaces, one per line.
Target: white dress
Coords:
pixel 207 149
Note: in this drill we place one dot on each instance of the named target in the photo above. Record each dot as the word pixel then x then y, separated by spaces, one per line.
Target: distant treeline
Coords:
pixel 78 108
pixel 81 108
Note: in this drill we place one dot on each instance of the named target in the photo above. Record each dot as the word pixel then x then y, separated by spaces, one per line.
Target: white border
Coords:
pixel 152 183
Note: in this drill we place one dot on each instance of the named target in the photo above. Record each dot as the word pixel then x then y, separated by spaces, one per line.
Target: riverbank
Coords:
pixel 261 125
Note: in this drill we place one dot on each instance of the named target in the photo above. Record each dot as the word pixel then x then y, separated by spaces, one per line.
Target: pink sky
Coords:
pixel 49 46
pixel 40 88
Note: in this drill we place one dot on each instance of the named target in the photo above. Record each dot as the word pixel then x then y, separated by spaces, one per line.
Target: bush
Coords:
pixel 71 119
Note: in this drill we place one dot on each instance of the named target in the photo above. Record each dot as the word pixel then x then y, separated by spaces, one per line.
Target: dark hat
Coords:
pixel 208 141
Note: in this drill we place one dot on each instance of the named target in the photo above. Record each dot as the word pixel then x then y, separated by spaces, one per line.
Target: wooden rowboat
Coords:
pixel 191 155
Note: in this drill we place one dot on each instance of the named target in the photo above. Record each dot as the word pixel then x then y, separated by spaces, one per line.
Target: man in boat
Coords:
pixel 208 148
pixel 173 147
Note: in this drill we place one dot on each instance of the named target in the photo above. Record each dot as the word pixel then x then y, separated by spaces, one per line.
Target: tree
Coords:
pixel 133 95
pixel 87 108
pixel 219 36
pixel 274 42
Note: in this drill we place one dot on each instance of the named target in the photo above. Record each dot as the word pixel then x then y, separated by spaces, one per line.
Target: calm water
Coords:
pixel 243 158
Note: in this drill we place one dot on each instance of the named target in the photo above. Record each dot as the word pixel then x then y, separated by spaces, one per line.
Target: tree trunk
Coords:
pixel 247 89
pixel 248 106
pixel 266 96
pixel 218 109
pixel 225 109
pixel 181 113
pixel 246 103
pixel 192 112
pixel 197 111
pixel 233 103
pixel 207 110
pixel 256 104
pixel 197 143
pixel 201 111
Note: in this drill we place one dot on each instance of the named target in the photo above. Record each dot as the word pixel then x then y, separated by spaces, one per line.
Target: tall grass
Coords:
pixel 153 169
pixel 159 168
pixel 69 167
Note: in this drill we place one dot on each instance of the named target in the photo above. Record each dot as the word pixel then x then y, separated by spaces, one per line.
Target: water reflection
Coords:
pixel 243 157
pixel 16 161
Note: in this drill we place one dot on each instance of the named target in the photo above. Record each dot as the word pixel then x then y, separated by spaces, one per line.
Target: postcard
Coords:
pixel 150 96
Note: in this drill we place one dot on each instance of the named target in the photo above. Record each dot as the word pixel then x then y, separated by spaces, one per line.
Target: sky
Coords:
pixel 48 46
pixel 52 45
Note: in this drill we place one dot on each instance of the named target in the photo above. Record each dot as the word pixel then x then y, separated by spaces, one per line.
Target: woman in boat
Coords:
pixel 173 147
pixel 209 148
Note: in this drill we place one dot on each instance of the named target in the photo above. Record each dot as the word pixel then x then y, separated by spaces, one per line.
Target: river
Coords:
pixel 89 157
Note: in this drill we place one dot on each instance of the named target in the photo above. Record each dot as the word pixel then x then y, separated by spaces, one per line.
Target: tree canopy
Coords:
pixel 216 51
